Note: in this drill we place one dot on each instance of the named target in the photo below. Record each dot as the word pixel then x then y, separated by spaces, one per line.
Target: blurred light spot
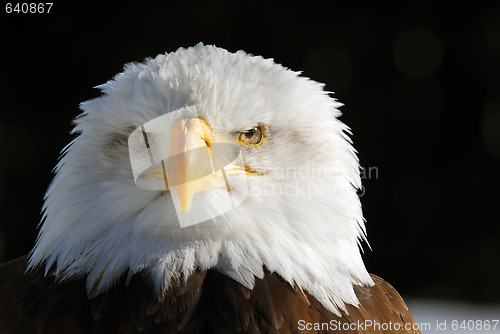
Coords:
pixel 490 127
pixel 419 100
pixel 437 315
pixel 331 66
pixel 418 52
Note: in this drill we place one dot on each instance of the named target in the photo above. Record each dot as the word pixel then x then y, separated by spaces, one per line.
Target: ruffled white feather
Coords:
pixel 98 224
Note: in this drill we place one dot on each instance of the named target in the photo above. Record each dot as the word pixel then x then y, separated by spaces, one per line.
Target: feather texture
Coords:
pixel 301 219
pixel 207 302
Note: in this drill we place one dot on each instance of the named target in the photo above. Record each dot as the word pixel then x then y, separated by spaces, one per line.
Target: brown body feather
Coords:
pixel 208 302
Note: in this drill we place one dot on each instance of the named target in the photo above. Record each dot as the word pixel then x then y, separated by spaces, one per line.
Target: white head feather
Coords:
pixel 98 224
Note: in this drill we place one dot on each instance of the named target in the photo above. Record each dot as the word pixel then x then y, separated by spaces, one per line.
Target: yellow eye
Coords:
pixel 252 137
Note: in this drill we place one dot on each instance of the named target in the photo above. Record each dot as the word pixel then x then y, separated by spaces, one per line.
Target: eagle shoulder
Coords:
pixel 34 303
pixel 206 302
pixel 274 306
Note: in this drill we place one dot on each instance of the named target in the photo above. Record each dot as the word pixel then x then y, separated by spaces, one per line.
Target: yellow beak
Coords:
pixel 190 163
pixel 195 163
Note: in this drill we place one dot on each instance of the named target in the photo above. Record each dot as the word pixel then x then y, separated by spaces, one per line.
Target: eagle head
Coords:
pixel 201 159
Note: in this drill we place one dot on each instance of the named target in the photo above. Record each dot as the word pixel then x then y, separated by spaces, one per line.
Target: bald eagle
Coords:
pixel 206 192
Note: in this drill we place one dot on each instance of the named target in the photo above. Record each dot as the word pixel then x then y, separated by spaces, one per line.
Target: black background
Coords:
pixel 421 87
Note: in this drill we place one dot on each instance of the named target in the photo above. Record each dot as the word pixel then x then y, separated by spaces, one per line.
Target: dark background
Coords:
pixel 420 83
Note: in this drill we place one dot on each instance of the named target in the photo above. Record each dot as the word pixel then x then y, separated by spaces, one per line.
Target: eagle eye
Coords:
pixel 252 137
